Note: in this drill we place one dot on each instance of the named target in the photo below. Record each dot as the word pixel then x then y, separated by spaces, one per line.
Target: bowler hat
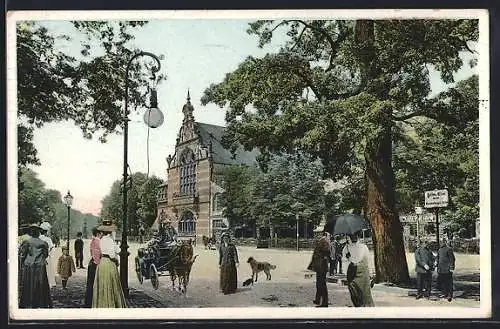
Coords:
pixel 107 226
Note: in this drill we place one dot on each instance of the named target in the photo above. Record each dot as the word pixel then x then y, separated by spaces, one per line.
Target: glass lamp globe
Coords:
pixel 68 199
pixel 153 117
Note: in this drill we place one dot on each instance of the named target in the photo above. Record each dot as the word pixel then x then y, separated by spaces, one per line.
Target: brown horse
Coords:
pixel 181 266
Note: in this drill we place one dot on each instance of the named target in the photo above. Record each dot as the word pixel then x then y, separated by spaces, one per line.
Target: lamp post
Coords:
pixel 297 226
pixel 152 113
pixel 68 201
pixel 418 211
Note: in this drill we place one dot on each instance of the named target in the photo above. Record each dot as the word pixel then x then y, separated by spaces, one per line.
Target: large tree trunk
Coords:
pixel 380 208
pixel 390 258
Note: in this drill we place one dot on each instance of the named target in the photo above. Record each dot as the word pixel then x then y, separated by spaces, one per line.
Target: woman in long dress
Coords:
pixel 95 257
pixel 358 274
pixel 107 291
pixel 228 261
pixel 33 253
pixel 51 262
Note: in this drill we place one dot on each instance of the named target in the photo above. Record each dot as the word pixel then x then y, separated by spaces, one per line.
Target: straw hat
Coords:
pixel 45 226
pixel 107 226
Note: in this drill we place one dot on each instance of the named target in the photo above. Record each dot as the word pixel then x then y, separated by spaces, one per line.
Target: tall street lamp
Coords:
pixel 154 118
pixel 68 201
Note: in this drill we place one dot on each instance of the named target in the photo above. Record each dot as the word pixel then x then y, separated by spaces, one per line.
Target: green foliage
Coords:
pixel 54 85
pixel 292 184
pixel 142 195
pixel 367 80
pixel 37 204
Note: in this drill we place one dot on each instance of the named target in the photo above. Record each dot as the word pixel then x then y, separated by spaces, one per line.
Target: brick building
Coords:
pixel 193 186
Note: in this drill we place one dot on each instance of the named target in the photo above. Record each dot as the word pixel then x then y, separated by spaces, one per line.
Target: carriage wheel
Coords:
pixel 153 274
pixel 138 270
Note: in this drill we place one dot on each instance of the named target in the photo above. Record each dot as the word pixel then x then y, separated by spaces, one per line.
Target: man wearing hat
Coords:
pixel 34 290
pixel 424 266
pixel 167 232
pixel 445 268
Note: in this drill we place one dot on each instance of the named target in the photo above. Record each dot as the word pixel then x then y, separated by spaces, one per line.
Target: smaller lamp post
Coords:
pixel 68 201
pixel 419 211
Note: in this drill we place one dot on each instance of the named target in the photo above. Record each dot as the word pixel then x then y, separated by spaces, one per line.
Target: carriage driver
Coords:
pixel 168 233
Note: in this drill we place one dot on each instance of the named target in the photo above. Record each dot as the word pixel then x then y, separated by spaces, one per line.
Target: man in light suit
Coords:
pixel 445 268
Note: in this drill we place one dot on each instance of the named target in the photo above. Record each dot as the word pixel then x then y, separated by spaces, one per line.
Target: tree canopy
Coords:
pixel 142 197
pixel 38 204
pixel 86 88
pixel 342 91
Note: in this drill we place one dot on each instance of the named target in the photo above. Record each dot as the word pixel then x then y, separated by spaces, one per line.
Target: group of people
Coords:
pixel 426 262
pixel 358 275
pixel 37 270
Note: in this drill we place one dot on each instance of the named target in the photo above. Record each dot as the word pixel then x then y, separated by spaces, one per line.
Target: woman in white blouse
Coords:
pixel 358 275
pixel 107 291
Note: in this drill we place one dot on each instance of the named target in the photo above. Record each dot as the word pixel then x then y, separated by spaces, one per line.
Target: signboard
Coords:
pixel 436 199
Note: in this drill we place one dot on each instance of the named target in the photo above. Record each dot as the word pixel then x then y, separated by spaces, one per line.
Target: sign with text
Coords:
pixel 436 199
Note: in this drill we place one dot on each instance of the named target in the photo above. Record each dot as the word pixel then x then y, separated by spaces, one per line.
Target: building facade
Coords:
pixel 191 195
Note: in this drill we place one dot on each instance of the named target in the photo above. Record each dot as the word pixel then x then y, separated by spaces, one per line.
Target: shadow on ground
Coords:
pixel 465 283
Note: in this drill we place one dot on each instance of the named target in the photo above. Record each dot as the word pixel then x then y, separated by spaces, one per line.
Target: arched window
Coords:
pixel 187 224
pixel 187 184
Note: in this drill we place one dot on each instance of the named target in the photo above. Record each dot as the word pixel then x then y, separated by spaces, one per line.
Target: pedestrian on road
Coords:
pixel 33 253
pixel 65 266
pixel 95 257
pixel 79 250
pixel 445 268
pixel 333 258
pixel 228 261
pixel 358 274
pixel 338 254
pixel 107 286
pixel 51 266
pixel 319 264
pixel 424 262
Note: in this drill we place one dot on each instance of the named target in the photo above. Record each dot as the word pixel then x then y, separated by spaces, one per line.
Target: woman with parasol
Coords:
pixel 357 254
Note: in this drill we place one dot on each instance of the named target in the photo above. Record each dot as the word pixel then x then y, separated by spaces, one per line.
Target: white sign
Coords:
pixel 436 199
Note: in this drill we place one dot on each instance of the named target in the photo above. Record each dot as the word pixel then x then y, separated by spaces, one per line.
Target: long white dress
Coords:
pixel 51 265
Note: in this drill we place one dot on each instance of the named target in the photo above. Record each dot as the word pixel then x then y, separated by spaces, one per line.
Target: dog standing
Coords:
pixel 259 267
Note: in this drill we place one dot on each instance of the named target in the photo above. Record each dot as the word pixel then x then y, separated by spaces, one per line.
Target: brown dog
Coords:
pixel 259 267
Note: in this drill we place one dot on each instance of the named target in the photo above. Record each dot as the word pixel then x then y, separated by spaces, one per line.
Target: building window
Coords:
pixel 187 224
pixel 188 173
pixel 218 224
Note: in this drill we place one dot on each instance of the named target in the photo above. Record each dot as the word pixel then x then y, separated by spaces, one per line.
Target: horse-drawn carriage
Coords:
pixel 174 260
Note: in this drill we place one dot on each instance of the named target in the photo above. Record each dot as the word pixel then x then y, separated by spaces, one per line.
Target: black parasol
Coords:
pixel 349 224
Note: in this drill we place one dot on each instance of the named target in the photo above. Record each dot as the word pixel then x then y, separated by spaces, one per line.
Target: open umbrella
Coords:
pixel 349 224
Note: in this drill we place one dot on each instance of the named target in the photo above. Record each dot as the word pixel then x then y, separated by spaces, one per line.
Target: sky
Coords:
pixel 197 53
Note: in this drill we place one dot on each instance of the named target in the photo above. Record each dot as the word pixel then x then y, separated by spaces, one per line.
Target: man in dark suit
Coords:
pixel 445 268
pixel 424 266
pixel 79 250
pixel 319 264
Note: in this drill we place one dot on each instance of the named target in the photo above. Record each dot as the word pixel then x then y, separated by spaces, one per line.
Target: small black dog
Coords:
pixel 247 282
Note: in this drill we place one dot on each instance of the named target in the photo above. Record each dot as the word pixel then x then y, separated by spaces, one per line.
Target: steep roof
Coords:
pixel 214 133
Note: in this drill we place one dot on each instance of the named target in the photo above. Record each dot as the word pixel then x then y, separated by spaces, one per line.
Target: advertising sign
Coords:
pixel 436 199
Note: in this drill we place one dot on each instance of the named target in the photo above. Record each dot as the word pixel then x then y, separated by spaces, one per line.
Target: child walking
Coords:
pixel 65 266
